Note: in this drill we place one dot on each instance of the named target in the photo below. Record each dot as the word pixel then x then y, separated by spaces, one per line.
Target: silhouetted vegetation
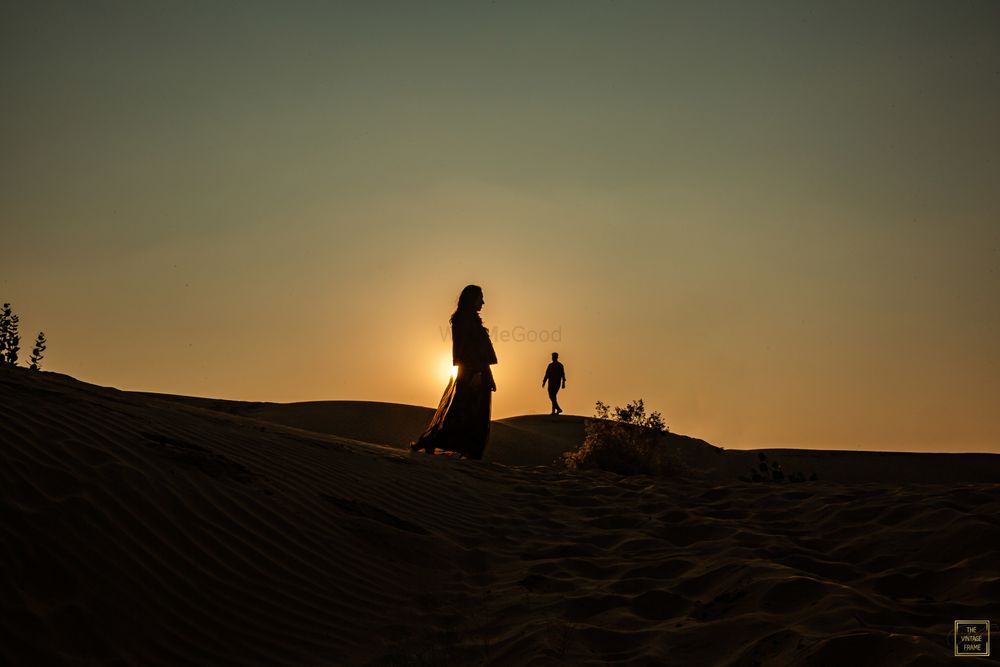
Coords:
pixel 773 473
pixel 626 441
pixel 38 352
pixel 10 339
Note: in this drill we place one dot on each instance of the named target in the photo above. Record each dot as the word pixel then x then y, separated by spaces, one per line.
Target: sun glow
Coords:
pixel 447 369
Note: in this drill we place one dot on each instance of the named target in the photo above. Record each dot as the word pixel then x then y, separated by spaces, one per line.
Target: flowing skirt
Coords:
pixel 461 422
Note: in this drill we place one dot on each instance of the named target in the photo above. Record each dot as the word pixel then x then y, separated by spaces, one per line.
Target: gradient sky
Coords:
pixel 778 223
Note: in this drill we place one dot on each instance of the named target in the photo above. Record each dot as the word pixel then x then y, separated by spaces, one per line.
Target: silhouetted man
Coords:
pixel 556 377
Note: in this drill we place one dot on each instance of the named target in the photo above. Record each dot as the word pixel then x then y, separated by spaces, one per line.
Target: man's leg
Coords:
pixel 555 404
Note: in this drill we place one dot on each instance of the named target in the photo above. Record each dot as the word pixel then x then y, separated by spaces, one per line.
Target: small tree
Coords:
pixel 37 352
pixel 626 441
pixel 10 339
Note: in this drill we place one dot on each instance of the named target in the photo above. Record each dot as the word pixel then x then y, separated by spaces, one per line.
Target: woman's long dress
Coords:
pixel 461 422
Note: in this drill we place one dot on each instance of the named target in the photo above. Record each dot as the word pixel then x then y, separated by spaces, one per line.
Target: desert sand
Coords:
pixel 140 529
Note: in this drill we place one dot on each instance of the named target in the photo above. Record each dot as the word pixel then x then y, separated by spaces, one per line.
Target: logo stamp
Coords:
pixel 972 638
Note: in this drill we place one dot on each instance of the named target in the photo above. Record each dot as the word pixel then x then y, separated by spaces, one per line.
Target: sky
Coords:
pixel 776 223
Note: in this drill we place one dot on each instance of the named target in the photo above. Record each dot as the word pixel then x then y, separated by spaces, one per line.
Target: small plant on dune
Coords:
pixel 626 441
pixel 38 352
pixel 10 339
pixel 773 473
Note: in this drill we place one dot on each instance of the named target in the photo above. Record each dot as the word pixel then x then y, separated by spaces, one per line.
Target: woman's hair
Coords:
pixel 467 302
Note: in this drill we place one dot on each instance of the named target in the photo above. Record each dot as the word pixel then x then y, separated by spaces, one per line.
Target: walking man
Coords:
pixel 556 377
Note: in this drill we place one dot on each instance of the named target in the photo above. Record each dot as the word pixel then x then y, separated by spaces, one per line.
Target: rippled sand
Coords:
pixel 143 531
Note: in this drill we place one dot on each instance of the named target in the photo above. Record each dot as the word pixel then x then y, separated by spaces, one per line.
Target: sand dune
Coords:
pixel 391 424
pixel 527 440
pixel 141 531
pixel 531 440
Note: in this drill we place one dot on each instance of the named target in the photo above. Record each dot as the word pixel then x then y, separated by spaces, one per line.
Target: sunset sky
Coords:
pixel 778 223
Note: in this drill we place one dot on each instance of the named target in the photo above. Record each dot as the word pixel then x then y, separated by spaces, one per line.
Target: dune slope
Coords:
pixel 527 440
pixel 531 440
pixel 140 531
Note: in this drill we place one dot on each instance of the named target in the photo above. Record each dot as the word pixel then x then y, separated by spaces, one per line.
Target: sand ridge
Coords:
pixel 141 531
pixel 531 440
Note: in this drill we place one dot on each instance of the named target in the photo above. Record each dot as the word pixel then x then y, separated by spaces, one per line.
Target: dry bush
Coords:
pixel 626 441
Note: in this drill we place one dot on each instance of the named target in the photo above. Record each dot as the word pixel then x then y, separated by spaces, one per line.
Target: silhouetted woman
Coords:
pixel 462 420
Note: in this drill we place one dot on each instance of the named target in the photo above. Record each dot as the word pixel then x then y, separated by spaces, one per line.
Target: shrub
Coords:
pixel 10 339
pixel 626 441
pixel 773 473
pixel 37 352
